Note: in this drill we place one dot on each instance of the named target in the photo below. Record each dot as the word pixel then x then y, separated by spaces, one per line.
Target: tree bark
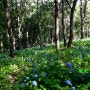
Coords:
pixel 63 24
pixel 1 47
pixel 27 41
pixel 8 19
pixel 71 23
pixel 57 25
pixel 39 28
pixel 83 15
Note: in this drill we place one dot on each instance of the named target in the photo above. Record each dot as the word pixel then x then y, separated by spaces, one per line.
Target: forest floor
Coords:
pixel 46 69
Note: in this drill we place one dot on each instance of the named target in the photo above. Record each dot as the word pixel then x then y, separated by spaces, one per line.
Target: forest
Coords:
pixel 44 45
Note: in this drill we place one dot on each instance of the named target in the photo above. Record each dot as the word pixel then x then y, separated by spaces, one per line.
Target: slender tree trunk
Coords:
pixel 82 20
pixel 83 15
pixel 31 38
pixel 39 28
pixel 63 24
pixel 51 36
pixel 71 23
pixel 57 25
pixel 27 41
pixel 49 39
pixel 9 28
pixel 19 31
pixel 1 46
pixel 18 26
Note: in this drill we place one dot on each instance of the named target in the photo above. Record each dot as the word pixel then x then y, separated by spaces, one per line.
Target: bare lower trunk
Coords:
pixel 83 15
pixel 1 47
pixel 57 25
pixel 82 28
pixel 63 24
pixel 9 28
pixel 19 32
pixel 27 41
pixel 71 23
pixel 39 27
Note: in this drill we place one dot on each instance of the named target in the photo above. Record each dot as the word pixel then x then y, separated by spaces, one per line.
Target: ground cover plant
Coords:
pixel 35 69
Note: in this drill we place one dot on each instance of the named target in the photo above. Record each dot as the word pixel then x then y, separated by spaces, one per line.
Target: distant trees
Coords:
pixel 35 23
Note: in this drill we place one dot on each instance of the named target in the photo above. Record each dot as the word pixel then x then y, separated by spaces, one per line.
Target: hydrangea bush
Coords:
pixel 35 69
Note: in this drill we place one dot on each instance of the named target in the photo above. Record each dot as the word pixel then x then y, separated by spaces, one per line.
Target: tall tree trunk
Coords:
pixel 31 38
pixel 9 28
pixel 27 41
pixel 83 15
pixel 19 31
pixel 63 24
pixel 18 26
pixel 49 39
pixel 71 23
pixel 39 28
pixel 51 36
pixel 1 46
pixel 57 25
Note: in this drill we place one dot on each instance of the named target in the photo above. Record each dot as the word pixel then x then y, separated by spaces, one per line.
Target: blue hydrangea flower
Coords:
pixel 22 84
pixel 88 51
pixel 71 70
pixel 27 83
pixel 34 83
pixel 45 74
pixel 39 61
pixel 35 64
pixel 34 70
pixel 80 56
pixel 73 88
pixel 30 60
pixel 36 75
pixel 87 55
pixel 0 60
pixel 25 67
pixel 27 78
pixel 69 64
pixel 68 82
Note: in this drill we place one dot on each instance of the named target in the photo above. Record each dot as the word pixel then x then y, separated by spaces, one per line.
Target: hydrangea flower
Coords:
pixel 45 74
pixel 25 67
pixel 39 61
pixel 80 56
pixel 35 64
pixel 34 83
pixel 73 88
pixel 69 64
pixel 87 55
pixel 22 84
pixel 0 60
pixel 88 51
pixel 71 70
pixel 36 75
pixel 27 78
pixel 68 82
pixel 27 83
pixel 30 60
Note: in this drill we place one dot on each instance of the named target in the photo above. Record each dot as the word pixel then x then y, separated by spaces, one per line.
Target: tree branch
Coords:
pixel 68 3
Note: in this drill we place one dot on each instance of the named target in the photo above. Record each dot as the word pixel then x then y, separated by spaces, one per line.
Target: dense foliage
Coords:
pixel 35 69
